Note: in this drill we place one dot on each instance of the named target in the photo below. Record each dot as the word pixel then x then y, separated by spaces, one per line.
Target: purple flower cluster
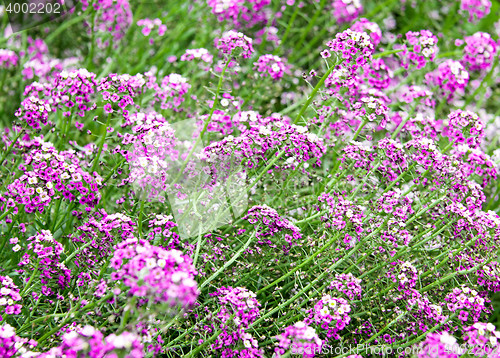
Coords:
pixel 347 284
pixel 270 65
pixel 342 216
pixel 353 48
pixel 449 77
pixel 302 337
pixel 75 92
pixel 270 224
pixel 438 345
pixel 150 156
pixel 392 203
pixel 296 143
pixel 482 340
pixel 48 175
pixel 162 227
pixel 44 255
pixel 465 127
pixel 237 309
pixel 9 295
pixel 171 91
pixel 154 273
pixel 404 273
pixel 238 305
pixel 234 43
pixel 197 53
pixel 100 232
pixel 468 302
pixel 331 315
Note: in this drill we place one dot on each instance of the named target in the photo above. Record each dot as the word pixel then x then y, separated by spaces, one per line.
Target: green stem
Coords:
pixel 228 263
pixel 313 94
pixel 9 149
pixel 288 28
pixel 101 145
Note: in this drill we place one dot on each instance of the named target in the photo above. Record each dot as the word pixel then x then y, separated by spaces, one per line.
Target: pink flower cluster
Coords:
pixel 13 346
pixel 270 65
pixel 148 25
pixel 9 295
pixel 371 28
pixel 296 143
pixel 102 231
pixel 449 77
pixel 476 9
pixel 346 10
pixel 8 58
pixel 238 305
pixel 482 339
pixel 238 308
pixel 171 92
pixel 114 17
pixel 90 342
pixel 421 47
pixel 479 51
pixel 161 227
pixel 341 214
pixel 197 53
pixel 234 43
pixel 393 203
pixel 150 157
pixel 154 273
pixel 403 273
pixel 240 13
pixel 302 337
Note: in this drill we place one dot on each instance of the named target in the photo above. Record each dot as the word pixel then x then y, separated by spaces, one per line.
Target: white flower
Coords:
pixel 151 263
pixel 300 324
pixel 309 333
pixel 5 291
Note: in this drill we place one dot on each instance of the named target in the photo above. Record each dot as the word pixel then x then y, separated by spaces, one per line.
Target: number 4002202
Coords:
pixel 34 8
